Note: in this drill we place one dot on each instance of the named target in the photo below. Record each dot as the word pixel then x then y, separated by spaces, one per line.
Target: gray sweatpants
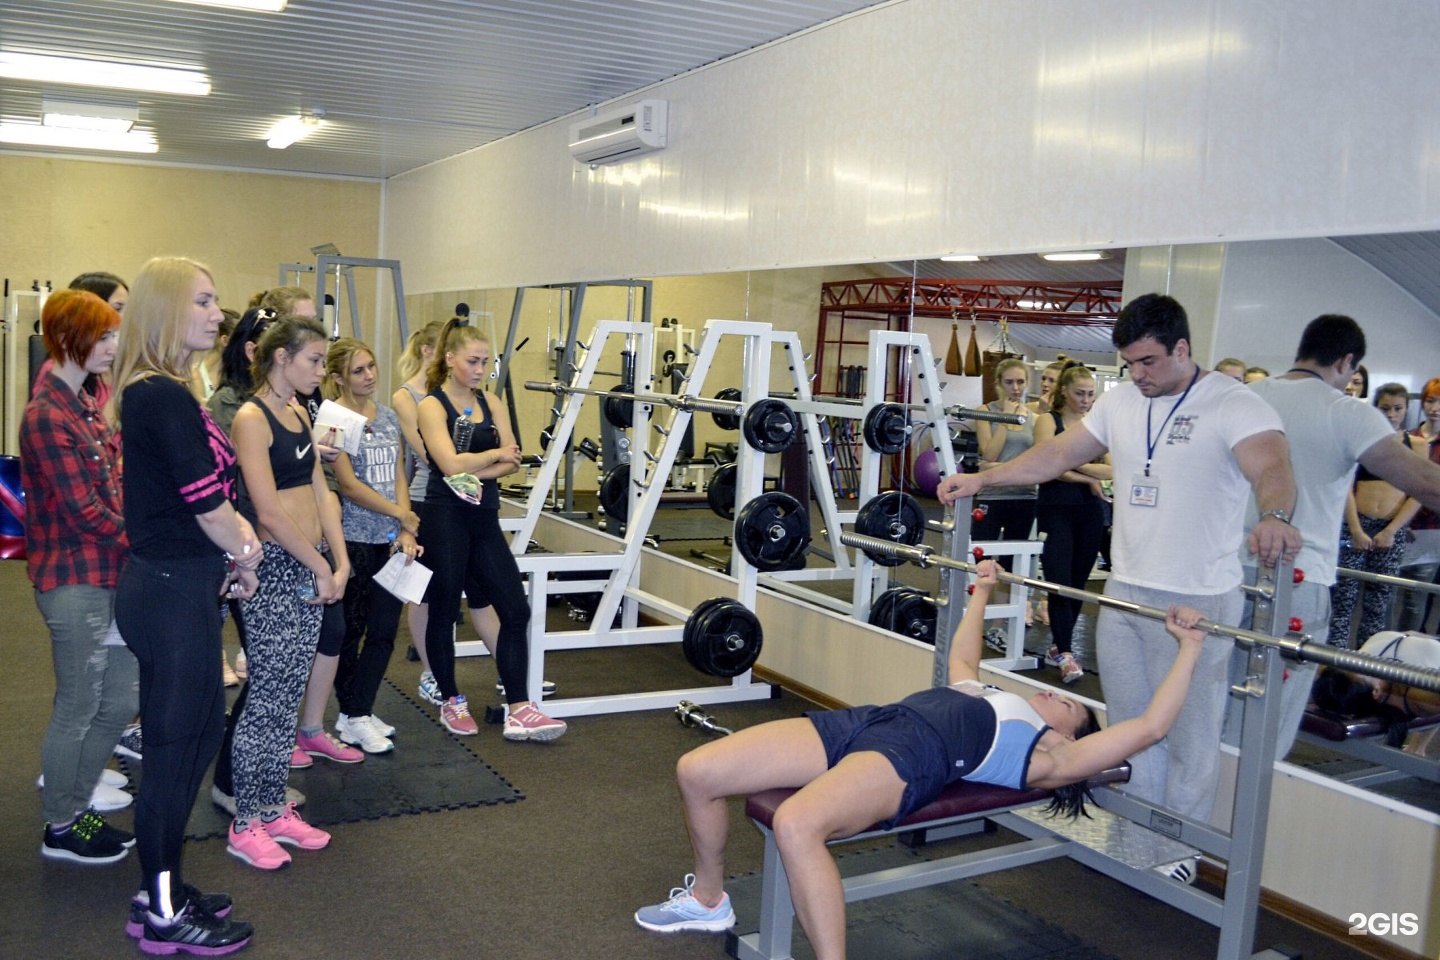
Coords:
pixel 1135 654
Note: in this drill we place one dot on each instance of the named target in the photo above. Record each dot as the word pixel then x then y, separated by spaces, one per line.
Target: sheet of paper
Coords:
pixel 406 580
pixel 350 426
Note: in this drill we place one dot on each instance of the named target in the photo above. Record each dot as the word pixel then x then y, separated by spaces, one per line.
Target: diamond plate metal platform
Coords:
pixel 1117 838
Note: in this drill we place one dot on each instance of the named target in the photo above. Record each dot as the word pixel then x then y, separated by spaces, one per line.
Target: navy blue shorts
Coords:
pixel 896 732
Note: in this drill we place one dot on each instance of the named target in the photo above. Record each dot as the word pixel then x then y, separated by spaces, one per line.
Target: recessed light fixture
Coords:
pixel 291 129
pixel 269 6
pixel 1070 255
pixel 963 258
pixel 103 73
pixel 37 135
pixel 105 117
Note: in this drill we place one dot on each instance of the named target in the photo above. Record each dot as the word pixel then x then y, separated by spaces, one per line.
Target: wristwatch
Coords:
pixel 1282 515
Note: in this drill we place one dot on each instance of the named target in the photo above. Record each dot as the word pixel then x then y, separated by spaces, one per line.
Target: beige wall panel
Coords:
pixel 932 126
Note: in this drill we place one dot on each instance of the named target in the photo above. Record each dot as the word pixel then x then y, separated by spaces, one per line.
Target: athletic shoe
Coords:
pixel 299 759
pixel 455 716
pixel 430 689
pixel 242 666
pixel 111 778
pixel 1052 656
pixel 1181 871
pixel 227 674
pixel 996 640
pixel 226 802
pixel 109 799
pixel 683 912
pixel 216 904
pixel 125 838
pixel 381 727
pixel 1070 669
pixel 82 842
pixel 194 931
pixel 255 846
pixel 325 745
pixel 130 743
pixel 547 688
pixel 363 732
pixel 290 829
pixel 528 723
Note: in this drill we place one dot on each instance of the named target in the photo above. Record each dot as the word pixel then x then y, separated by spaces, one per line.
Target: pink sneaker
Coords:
pixel 256 847
pixel 1070 669
pixel 528 723
pixel 455 715
pixel 299 759
pixel 325 744
pixel 289 829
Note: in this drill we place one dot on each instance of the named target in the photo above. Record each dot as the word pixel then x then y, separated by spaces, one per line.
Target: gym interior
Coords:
pixel 827 252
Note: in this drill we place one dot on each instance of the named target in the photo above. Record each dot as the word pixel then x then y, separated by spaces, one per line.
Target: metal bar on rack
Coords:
pixel 678 401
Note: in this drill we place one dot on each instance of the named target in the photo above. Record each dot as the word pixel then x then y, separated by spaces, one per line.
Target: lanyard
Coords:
pixel 1152 441
pixel 1311 373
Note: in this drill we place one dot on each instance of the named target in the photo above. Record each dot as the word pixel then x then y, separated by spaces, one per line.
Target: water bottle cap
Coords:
pixel 467 411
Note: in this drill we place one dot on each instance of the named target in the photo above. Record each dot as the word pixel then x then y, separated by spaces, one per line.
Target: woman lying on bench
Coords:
pixel 867 765
pixel 1395 704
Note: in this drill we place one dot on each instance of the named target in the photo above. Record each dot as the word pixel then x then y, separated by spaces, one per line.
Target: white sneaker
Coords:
pixel 1181 871
pixel 362 732
pixel 384 729
pixel 111 778
pixel 107 799
pixel 429 689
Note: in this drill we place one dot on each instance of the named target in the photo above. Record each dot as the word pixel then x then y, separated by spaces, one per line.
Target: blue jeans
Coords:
pixel 97 691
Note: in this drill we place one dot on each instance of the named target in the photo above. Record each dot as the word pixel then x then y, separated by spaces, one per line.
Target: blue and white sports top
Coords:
pixel 989 734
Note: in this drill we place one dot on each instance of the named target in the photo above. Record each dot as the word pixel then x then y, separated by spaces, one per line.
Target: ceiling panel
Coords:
pixel 402 83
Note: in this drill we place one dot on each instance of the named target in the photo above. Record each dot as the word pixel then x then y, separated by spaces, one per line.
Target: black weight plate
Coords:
pixel 727 421
pixel 882 611
pixel 615 493
pixel 770 425
pixel 895 516
pixel 720 492
pixel 772 530
pixel 914 616
pixel 726 638
pixel 619 411
pixel 692 637
pixel 887 428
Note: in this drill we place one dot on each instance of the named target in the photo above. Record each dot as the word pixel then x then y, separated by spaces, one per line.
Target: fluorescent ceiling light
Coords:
pixel 291 129
pixel 106 117
pixel 270 6
pixel 102 73
pixel 1077 255
pixel 963 258
pixel 35 135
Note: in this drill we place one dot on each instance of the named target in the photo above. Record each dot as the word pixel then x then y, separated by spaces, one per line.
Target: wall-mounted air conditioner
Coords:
pixel 619 134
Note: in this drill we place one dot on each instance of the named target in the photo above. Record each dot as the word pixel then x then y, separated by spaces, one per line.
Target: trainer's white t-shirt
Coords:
pixel 1327 432
pixel 1189 540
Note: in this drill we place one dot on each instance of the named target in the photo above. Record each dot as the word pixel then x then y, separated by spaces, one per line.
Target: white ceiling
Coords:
pixel 402 82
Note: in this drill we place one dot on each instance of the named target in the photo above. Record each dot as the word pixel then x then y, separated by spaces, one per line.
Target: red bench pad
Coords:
pixel 959 799
pixel 1338 729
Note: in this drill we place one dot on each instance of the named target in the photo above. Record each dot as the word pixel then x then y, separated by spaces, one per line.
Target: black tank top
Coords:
pixel 292 452
pixel 1062 493
pixel 483 437
pixel 1362 474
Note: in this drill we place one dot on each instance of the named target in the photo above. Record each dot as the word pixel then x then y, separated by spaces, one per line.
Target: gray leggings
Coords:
pixel 1135 654
pixel 281 632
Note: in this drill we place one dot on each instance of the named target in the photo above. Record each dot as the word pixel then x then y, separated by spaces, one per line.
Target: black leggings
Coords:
pixel 1072 541
pixel 169 614
pixel 466 549
pixel 372 614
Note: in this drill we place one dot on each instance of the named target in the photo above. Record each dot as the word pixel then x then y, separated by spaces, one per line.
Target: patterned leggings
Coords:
pixel 1375 610
pixel 281 631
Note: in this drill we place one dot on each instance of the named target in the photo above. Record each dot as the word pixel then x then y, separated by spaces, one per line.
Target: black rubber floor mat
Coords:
pixel 950 920
pixel 429 770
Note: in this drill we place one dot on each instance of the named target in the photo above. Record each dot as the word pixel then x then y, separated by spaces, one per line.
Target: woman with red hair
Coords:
pixel 75 544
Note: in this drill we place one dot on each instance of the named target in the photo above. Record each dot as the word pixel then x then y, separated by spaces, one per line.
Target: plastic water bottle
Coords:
pixel 462 431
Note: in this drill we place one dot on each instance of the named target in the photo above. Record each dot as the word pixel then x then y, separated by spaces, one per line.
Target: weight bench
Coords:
pixel 1364 739
pixel 960 805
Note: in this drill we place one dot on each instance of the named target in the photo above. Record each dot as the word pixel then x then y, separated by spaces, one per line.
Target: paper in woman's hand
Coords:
pixel 339 427
pixel 405 580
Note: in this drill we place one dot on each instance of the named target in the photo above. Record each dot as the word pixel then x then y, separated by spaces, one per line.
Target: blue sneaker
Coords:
pixel 683 912
pixel 430 689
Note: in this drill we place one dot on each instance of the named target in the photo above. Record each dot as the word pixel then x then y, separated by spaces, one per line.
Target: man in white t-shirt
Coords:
pixel 1187 446
pixel 1328 433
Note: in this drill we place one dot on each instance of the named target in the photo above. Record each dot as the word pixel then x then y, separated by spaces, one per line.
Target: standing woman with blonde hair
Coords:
pixel 188 548
pixel 463 540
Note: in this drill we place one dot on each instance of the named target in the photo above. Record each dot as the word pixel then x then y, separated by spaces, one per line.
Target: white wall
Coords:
pixel 934 126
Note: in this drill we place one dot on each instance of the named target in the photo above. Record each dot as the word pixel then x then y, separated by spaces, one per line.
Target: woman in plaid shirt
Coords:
pixel 75 545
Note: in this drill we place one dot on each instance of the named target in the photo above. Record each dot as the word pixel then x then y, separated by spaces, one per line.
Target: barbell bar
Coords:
pixel 677 401
pixel 1295 647
pixel 1387 580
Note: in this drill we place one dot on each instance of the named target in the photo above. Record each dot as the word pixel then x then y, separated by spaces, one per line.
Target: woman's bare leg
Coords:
pixel 417 615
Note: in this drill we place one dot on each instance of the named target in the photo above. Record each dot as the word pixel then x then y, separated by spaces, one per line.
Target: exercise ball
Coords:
pixel 927 472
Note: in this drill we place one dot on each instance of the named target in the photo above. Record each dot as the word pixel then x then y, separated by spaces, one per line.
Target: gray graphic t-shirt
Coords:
pixel 375 467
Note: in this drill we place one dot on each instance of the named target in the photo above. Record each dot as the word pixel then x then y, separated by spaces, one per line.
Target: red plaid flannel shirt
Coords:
pixel 70 469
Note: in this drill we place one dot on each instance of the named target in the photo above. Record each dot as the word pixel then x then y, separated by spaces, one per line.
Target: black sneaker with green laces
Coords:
pixel 82 842
pixel 195 931
pixel 106 831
